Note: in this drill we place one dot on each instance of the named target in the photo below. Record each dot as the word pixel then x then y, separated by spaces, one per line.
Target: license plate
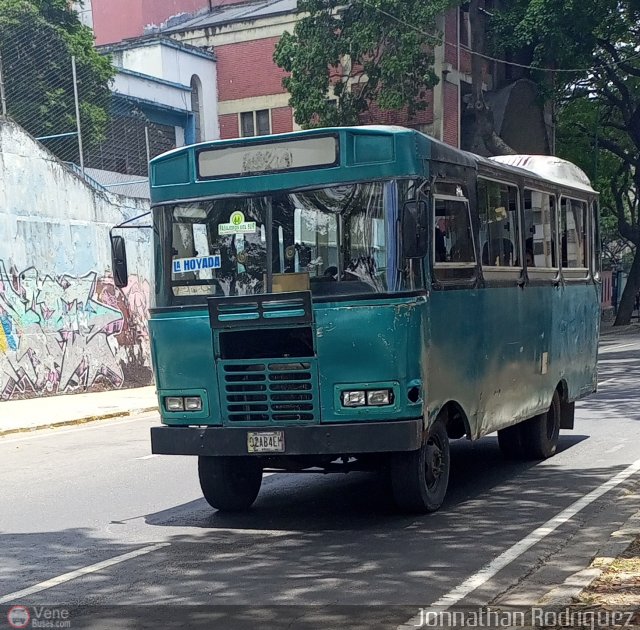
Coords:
pixel 265 442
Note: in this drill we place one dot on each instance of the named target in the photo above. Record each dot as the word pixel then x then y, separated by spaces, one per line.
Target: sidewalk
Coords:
pixel 56 411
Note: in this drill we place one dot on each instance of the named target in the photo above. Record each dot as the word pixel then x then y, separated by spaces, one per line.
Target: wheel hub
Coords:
pixel 434 463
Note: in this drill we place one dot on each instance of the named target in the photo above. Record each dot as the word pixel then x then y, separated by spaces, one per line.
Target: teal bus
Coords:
pixel 355 298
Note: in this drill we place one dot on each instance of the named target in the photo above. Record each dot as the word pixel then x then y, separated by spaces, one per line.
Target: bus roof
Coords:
pixel 549 167
pixel 325 157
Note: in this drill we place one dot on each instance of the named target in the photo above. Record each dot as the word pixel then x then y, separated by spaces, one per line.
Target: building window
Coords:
pixel 256 123
pixel 196 88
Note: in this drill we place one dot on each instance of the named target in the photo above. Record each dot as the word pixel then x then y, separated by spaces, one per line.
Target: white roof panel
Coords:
pixel 549 167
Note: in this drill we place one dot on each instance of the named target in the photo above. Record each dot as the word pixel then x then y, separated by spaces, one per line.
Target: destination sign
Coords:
pixel 268 158
pixel 198 263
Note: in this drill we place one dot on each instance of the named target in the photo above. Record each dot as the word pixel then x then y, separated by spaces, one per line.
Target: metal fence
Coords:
pixel 66 103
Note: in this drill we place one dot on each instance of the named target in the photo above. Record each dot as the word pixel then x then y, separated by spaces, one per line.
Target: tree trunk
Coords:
pixel 483 138
pixel 625 311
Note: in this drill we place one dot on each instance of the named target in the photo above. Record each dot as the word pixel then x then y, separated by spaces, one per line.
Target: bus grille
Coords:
pixel 269 392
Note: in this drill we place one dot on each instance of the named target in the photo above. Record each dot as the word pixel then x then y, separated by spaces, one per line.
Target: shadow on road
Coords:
pixel 354 501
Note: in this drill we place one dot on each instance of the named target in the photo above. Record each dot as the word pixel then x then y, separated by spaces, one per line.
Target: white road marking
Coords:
pixel 147 457
pixel 72 575
pixel 491 569
pixel 609 380
pixel 97 424
pixel 613 449
pixel 626 345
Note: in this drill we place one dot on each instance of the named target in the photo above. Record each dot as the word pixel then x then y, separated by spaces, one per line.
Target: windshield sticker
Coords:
pixel 237 225
pixel 184 265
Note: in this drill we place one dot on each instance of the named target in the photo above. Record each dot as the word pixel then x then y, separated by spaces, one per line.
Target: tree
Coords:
pixel 598 103
pixel 37 41
pixel 372 43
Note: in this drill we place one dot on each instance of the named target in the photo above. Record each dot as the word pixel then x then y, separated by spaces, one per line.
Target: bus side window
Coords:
pixel 573 232
pixel 540 229
pixel 596 263
pixel 499 224
pixel 453 249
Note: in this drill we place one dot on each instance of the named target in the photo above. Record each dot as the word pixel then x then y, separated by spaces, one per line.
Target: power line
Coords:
pixel 441 41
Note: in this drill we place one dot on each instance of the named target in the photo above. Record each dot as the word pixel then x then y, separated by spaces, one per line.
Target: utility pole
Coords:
pixel 3 99
pixel 77 100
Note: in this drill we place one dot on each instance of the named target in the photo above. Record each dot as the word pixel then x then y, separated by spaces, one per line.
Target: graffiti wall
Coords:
pixel 64 326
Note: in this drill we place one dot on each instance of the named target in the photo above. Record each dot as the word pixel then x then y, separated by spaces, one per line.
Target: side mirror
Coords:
pixel 119 262
pixel 415 231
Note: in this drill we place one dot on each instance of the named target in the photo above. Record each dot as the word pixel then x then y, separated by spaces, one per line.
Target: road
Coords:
pixel 88 518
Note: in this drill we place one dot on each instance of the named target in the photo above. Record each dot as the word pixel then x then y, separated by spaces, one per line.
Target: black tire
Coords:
pixel 230 484
pixel 540 434
pixel 419 479
pixel 510 441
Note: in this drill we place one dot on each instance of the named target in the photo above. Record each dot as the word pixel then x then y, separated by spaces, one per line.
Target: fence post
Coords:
pixel 3 99
pixel 77 100
pixel 148 147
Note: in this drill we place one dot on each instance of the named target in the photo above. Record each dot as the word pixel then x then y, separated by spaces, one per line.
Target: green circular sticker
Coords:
pixel 237 218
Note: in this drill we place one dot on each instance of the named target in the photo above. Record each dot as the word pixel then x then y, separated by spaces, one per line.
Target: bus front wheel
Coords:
pixel 420 478
pixel 230 484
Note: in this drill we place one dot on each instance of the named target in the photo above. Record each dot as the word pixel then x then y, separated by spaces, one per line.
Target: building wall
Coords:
pixel 175 64
pixel 64 326
pixel 115 20
pixel 247 69
pixel 248 78
pixel 451 125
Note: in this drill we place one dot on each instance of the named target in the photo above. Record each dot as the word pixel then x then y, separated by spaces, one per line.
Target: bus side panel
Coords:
pixel 501 352
pixel 369 345
pixel 514 325
pixel 182 353
pixel 575 338
pixel 454 352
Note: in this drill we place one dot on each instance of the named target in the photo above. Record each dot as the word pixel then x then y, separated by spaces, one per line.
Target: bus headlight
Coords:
pixel 174 403
pixel 193 403
pixel 354 399
pixel 379 397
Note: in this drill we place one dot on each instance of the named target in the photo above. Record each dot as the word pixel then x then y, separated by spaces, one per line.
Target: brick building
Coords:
pixel 251 99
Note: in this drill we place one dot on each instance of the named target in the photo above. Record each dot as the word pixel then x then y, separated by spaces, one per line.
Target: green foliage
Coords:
pixel 597 104
pixel 338 45
pixel 37 40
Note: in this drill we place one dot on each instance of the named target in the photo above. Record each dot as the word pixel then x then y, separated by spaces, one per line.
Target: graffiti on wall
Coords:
pixel 68 334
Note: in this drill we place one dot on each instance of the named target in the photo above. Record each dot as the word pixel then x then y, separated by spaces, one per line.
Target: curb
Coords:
pixel 77 421
pixel 567 592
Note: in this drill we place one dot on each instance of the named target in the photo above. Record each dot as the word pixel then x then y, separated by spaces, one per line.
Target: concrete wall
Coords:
pixel 64 327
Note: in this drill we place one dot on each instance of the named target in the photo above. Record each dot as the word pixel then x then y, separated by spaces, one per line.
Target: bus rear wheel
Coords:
pixel 420 478
pixel 540 434
pixel 510 441
pixel 535 438
pixel 230 484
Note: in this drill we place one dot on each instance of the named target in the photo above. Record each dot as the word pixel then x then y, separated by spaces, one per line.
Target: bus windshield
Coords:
pixel 334 241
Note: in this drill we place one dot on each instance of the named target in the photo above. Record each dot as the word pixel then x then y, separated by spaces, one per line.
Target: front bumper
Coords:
pixel 328 439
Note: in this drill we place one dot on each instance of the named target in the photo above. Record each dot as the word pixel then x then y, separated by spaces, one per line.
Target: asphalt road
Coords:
pixel 89 519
